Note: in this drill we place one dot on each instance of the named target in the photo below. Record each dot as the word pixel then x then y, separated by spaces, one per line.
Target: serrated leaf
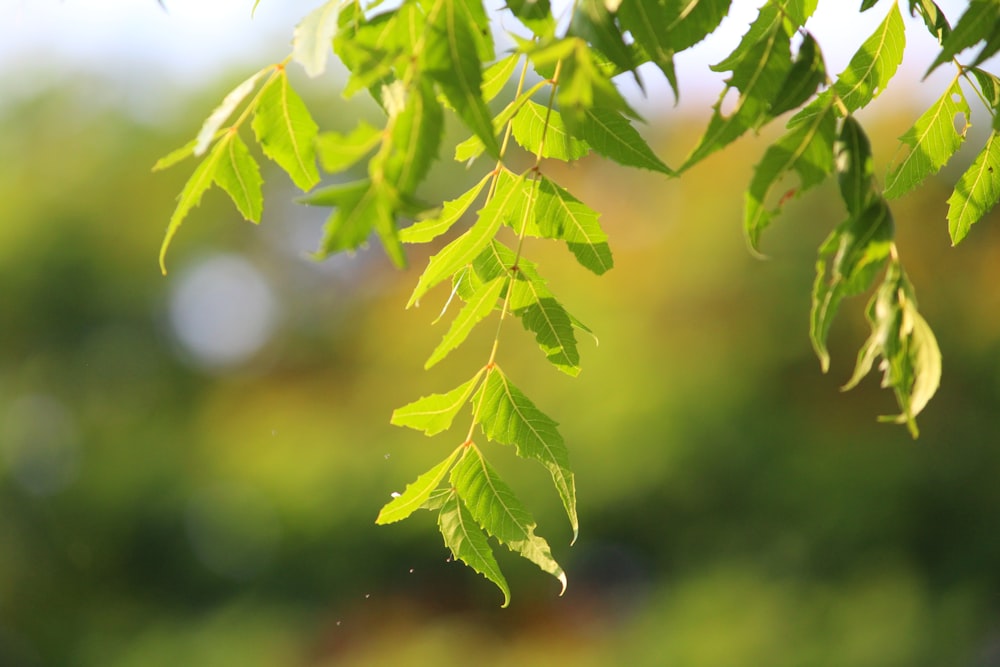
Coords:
pixel 612 135
pixel 416 493
pixel 979 23
pixel 451 212
pixel 435 413
pixel 451 60
pixel 286 132
pixel 417 125
pixel 560 215
pixel 312 40
pixel 583 83
pixel 190 196
pixel 544 316
pixel 807 73
pixel 210 128
pixel 468 543
pixel 935 20
pixel 338 151
pixel 479 304
pixel 359 207
pixel 806 149
pixel 976 192
pixel 693 20
pixel 933 139
pixel 759 67
pixel 874 64
pixel 856 251
pixel 496 76
pixel 593 22
pixel 473 147
pixel 645 20
pixel 495 507
pixel 549 139
pixel 179 154
pixel 465 248
pixel 509 417
pixel 911 359
pixel 239 175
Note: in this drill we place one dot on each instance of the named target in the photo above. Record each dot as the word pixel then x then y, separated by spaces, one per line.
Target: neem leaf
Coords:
pixel 213 123
pixel 451 59
pixel 543 315
pixel 286 131
pixel 807 73
pixel 312 41
pixel 451 212
pixel 594 23
pixel 360 207
pixel 509 417
pixel 468 543
pixel 190 196
pixel 478 305
pixel 495 507
pixel 417 124
pixel 976 192
pixel 693 20
pixel 435 413
pixel 548 139
pixel 536 15
pixel 416 493
pixel 978 23
pixel 338 151
pixel 933 139
pixel 645 20
pixel 807 149
pixel 855 170
pixel 179 154
pixel 473 147
pixel 239 175
pixel 856 251
pixel 874 64
pixel 465 248
pixel 609 133
pixel 560 215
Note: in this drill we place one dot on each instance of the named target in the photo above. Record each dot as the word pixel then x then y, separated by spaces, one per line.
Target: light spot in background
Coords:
pixel 222 311
pixel 39 444
pixel 233 529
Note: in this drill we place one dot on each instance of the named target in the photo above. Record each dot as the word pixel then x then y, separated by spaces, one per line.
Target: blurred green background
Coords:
pixel 190 466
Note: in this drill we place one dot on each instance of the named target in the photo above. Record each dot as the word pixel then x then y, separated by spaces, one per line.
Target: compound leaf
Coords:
pixel 416 493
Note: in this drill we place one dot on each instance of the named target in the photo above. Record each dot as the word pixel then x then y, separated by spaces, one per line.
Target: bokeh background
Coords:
pixel 191 465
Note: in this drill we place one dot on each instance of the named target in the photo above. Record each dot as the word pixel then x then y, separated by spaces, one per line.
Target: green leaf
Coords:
pixel 338 151
pixel 416 493
pixel 417 124
pixel 473 147
pixel 509 417
pixel 911 358
pixel 451 212
pixel 855 171
pixel 645 20
pixel 451 60
pixel 210 128
pixel 806 149
pixel 935 20
pixel 468 544
pixel 496 76
pixel 980 22
pixel 583 83
pixel 536 15
pixel 807 73
pixel 548 139
pixel 239 175
pixel 613 136
pixel 286 131
pixel 759 68
pixel 976 192
pixel 200 181
pixel 179 154
pixel 479 304
pixel 544 316
pixel 312 40
pixel 495 507
pixel 559 215
pixel 874 64
pixel 856 251
pixel 693 20
pixel 465 248
pixel 933 139
pixel 435 413
pixel 359 208
pixel 594 23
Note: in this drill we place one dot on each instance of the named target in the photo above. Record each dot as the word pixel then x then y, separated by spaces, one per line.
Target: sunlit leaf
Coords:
pixel 496 76
pixel 338 151
pixel 210 128
pixel 535 14
pixel 594 23
pixel 477 307
pixel 495 507
pixel 200 181
pixel 560 215
pixel 416 493
pixel 509 417
pixel 932 141
pixel 979 23
pixel 417 126
pixel 645 20
pixel 693 20
pixel 286 131
pixel 976 192
pixel 542 131
pixel 468 544
pixel 609 133
pixel 312 41
pixel 239 175
pixel 451 212
pixel 435 413
pixel 874 63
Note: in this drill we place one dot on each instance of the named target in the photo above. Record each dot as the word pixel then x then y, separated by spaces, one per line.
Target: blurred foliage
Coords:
pixel 158 510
